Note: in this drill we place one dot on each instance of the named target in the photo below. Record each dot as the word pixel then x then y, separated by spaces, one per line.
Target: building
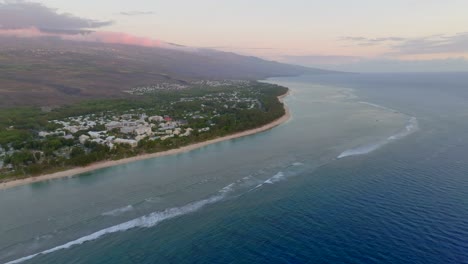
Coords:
pixel 129 124
pixel 156 119
pixel 113 125
pixel 182 122
pixel 94 134
pixel 131 142
pixel 128 129
pixel 143 130
pixel 127 116
pixel 177 131
pixel 83 139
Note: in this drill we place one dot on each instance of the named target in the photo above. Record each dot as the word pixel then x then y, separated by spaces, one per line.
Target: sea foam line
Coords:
pixel 411 127
pixel 379 106
pixel 272 180
pixel 118 211
pixel 140 222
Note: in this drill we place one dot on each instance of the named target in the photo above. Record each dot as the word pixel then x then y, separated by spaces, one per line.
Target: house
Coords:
pixel 131 142
pixel 143 130
pixel 113 125
pixel 68 137
pixel 140 137
pixel 143 117
pixel 127 116
pixel 167 119
pixel 166 137
pixel 94 134
pixel 44 134
pixel 156 119
pixel 128 129
pixel 187 133
pixel 83 139
pixel 166 126
pixel 99 141
pixel 182 122
pixel 72 129
pixel 129 124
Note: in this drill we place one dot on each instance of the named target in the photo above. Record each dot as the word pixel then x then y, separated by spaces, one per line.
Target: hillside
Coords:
pixel 48 71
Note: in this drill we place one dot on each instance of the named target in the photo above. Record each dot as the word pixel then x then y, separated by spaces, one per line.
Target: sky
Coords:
pixel 377 34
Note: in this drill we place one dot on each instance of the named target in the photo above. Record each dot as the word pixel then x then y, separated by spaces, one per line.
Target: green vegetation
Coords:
pixel 204 113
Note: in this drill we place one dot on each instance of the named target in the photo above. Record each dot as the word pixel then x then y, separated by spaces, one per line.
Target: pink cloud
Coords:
pixel 98 36
pixel 116 37
pixel 23 32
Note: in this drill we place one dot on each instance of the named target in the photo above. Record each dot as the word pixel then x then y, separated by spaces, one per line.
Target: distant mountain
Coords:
pixel 49 71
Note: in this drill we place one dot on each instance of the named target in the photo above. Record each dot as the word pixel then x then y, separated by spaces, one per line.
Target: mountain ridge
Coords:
pixel 52 71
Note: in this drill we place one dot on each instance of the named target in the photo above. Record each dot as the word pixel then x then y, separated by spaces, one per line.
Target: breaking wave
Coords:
pixel 155 218
pixel 276 178
pixel 411 127
pixel 380 107
pixel 118 211
pixel 146 221
pixel 272 180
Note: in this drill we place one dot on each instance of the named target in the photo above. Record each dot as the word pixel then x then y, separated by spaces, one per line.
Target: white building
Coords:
pixel 156 119
pixel 128 129
pixel 131 142
pixel 141 130
pixel 44 134
pixel 113 125
pixel 83 139
pixel 94 134
pixel 72 129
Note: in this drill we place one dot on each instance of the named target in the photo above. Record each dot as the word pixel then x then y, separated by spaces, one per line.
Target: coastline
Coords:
pixel 111 163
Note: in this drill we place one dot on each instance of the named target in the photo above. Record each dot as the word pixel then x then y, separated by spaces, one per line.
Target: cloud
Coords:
pixel 91 36
pixel 437 44
pixel 117 38
pixel 17 15
pixel 364 41
pixel 236 48
pixel 395 65
pixel 320 59
pixel 29 20
pixel 137 13
pixel 379 64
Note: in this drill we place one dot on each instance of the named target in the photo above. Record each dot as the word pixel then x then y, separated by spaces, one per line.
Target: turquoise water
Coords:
pixel 370 169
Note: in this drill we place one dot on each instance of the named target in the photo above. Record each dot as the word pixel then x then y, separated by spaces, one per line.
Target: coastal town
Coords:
pixel 164 118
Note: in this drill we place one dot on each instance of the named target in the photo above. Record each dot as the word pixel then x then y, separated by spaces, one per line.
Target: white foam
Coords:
pixel 297 164
pixel 361 150
pixel 379 106
pixel 228 188
pixel 153 199
pixel 118 211
pixel 276 178
pixel 411 127
pixel 140 222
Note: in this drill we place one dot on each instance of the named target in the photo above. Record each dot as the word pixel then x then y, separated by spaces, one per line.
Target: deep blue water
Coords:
pixel 286 197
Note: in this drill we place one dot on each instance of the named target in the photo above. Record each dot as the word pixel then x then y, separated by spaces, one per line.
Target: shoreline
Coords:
pixel 111 163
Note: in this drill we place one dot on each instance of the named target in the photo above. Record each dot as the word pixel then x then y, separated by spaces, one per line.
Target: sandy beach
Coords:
pixel 106 164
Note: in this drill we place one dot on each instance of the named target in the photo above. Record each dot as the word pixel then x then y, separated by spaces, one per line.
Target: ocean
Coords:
pixel 371 168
